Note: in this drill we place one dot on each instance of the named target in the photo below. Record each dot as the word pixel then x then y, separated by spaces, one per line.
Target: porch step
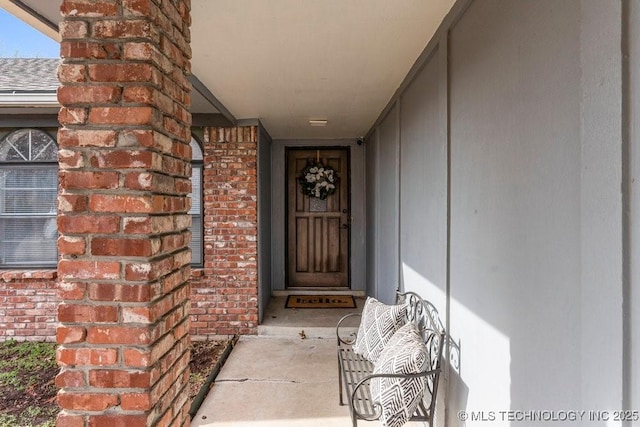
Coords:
pixel 279 321
pixel 301 331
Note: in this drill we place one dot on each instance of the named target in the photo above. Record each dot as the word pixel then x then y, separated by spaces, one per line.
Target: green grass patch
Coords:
pixel 18 359
pixel 32 417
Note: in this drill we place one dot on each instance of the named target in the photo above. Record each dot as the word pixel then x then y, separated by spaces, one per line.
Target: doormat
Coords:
pixel 320 301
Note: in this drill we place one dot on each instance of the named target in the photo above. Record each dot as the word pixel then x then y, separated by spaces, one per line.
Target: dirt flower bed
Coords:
pixel 28 371
pixel 27 384
pixel 204 356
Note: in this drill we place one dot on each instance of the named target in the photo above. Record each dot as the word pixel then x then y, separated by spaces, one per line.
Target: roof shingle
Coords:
pixel 29 74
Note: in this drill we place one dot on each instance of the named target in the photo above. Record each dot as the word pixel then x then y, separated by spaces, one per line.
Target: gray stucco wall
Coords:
pixel 601 205
pixel 515 201
pixel 423 183
pixel 386 275
pixel 264 221
pixel 371 179
pixel 511 131
pixel 631 190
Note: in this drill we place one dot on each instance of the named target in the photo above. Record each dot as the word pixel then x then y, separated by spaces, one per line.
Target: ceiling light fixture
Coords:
pixel 317 122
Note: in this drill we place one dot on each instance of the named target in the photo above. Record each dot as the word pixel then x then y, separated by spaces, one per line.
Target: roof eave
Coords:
pixel 22 99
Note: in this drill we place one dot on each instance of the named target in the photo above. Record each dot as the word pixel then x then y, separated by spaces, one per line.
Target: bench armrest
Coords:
pixel 377 406
pixel 350 340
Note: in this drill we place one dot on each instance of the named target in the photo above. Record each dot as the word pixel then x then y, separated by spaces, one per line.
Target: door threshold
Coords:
pixel 316 291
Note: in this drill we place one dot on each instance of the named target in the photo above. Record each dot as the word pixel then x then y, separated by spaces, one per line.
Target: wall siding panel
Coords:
pixel 515 168
pixel 423 180
pixel 388 208
pixel 632 221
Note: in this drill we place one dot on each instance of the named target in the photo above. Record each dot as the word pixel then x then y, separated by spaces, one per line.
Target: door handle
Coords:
pixel 345 226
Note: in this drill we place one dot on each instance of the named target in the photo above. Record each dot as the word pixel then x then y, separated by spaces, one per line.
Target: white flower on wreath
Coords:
pixel 318 180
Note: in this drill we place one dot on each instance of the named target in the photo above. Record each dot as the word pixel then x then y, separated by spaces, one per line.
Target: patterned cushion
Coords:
pixel 405 353
pixel 379 323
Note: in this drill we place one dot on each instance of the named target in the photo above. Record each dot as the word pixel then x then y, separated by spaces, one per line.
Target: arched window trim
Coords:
pixel 6 140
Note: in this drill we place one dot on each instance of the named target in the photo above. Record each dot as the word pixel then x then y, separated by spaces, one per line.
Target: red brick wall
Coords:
pixel 28 304
pixel 225 292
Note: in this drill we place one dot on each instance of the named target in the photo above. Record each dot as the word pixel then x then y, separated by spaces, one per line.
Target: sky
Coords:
pixel 19 40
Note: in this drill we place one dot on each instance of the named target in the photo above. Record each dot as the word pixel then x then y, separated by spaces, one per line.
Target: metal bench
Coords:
pixel 356 372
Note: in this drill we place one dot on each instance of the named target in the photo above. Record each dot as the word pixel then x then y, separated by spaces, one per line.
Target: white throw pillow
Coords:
pixel 379 323
pixel 405 353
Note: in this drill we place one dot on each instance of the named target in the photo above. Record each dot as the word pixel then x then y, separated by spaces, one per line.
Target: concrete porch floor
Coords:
pixel 279 321
pixel 279 378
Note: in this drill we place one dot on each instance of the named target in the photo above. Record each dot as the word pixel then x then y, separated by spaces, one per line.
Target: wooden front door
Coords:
pixel 318 230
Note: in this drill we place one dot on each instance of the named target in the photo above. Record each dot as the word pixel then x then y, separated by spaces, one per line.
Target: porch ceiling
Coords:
pixel 289 61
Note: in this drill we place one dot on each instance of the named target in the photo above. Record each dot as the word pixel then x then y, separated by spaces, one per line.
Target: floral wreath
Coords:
pixel 318 180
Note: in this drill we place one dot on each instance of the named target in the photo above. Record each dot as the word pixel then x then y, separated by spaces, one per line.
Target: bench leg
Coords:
pixel 340 386
pixel 340 380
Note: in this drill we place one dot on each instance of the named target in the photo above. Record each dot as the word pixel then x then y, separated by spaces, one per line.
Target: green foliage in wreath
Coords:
pixel 318 180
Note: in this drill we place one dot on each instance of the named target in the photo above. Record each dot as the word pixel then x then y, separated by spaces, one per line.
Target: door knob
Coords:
pixel 345 225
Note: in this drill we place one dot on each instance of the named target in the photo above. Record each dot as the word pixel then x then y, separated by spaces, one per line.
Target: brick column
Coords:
pixel 124 179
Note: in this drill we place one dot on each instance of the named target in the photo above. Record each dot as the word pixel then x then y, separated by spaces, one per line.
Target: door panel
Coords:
pixel 318 230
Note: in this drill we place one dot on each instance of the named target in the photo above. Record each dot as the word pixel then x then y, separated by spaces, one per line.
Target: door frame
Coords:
pixel 347 151
pixel 357 244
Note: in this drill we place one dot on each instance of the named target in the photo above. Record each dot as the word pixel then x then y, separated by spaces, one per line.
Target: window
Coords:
pixel 197 242
pixel 28 192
